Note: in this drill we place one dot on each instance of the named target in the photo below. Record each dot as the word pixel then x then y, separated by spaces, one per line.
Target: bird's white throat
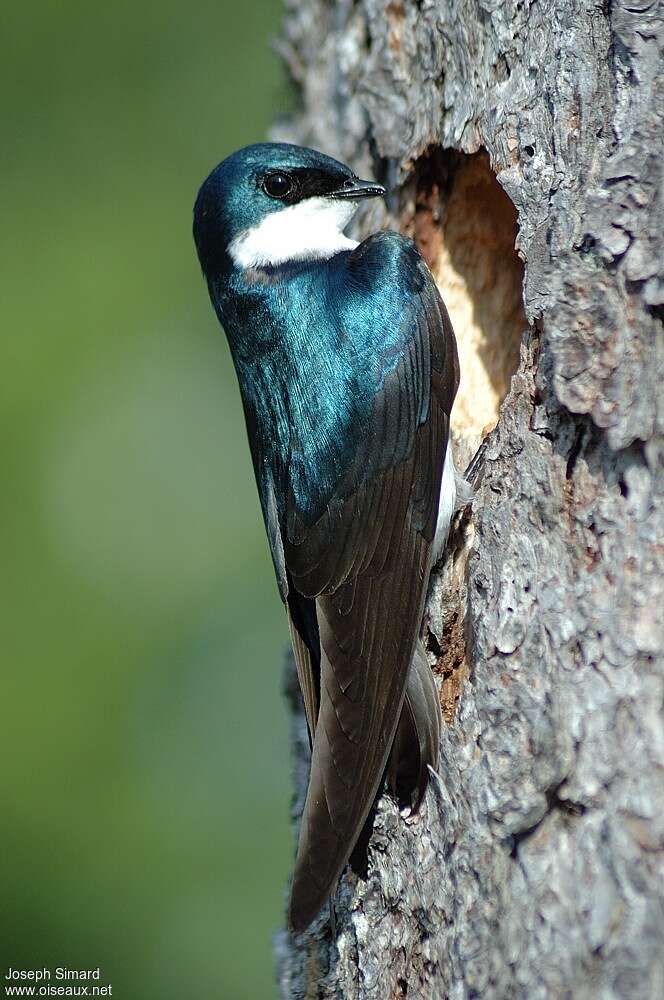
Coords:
pixel 310 230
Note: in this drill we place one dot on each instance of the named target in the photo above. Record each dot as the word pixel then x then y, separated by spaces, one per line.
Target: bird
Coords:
pixel 347 367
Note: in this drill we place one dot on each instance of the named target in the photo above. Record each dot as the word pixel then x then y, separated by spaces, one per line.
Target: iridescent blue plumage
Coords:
pixel 324 339
pixel 347 367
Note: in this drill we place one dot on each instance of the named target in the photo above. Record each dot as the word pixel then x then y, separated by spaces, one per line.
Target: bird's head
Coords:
pixel 272 203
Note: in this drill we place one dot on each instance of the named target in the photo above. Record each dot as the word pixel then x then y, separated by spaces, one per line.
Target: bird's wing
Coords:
pixel 365 562
pixel 303 623
pixel 301 610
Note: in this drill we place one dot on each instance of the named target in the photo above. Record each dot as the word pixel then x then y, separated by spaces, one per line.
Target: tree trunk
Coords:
pixel 536 866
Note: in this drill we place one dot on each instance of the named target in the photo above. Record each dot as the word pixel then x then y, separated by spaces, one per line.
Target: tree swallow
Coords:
pixel 348 369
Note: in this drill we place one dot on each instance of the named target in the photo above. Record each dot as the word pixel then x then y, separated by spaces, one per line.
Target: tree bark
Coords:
pixel 536 866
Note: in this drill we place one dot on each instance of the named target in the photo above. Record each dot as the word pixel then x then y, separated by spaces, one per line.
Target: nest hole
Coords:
pixel 465 225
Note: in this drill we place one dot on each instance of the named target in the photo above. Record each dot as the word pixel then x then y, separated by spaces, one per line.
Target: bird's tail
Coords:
pixel 415 749
pixel 416 745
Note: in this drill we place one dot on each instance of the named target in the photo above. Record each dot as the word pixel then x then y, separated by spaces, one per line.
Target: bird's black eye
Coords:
pixel 278 185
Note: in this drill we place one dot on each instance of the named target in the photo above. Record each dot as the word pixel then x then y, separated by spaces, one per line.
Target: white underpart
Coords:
pixel 310 230
pixel 446 505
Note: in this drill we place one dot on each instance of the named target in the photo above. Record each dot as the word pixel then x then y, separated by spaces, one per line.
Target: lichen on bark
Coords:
pixel 536 868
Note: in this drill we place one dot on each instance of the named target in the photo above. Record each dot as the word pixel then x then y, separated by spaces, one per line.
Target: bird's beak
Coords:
pixel 354 188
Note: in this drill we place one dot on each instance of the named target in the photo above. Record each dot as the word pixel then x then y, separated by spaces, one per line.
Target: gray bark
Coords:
pixel 536 868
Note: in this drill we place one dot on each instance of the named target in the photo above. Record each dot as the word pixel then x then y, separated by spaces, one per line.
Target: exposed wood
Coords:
pixel 536 868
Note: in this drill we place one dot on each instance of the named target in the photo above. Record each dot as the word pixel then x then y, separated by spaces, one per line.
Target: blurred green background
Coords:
pixel 145 771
